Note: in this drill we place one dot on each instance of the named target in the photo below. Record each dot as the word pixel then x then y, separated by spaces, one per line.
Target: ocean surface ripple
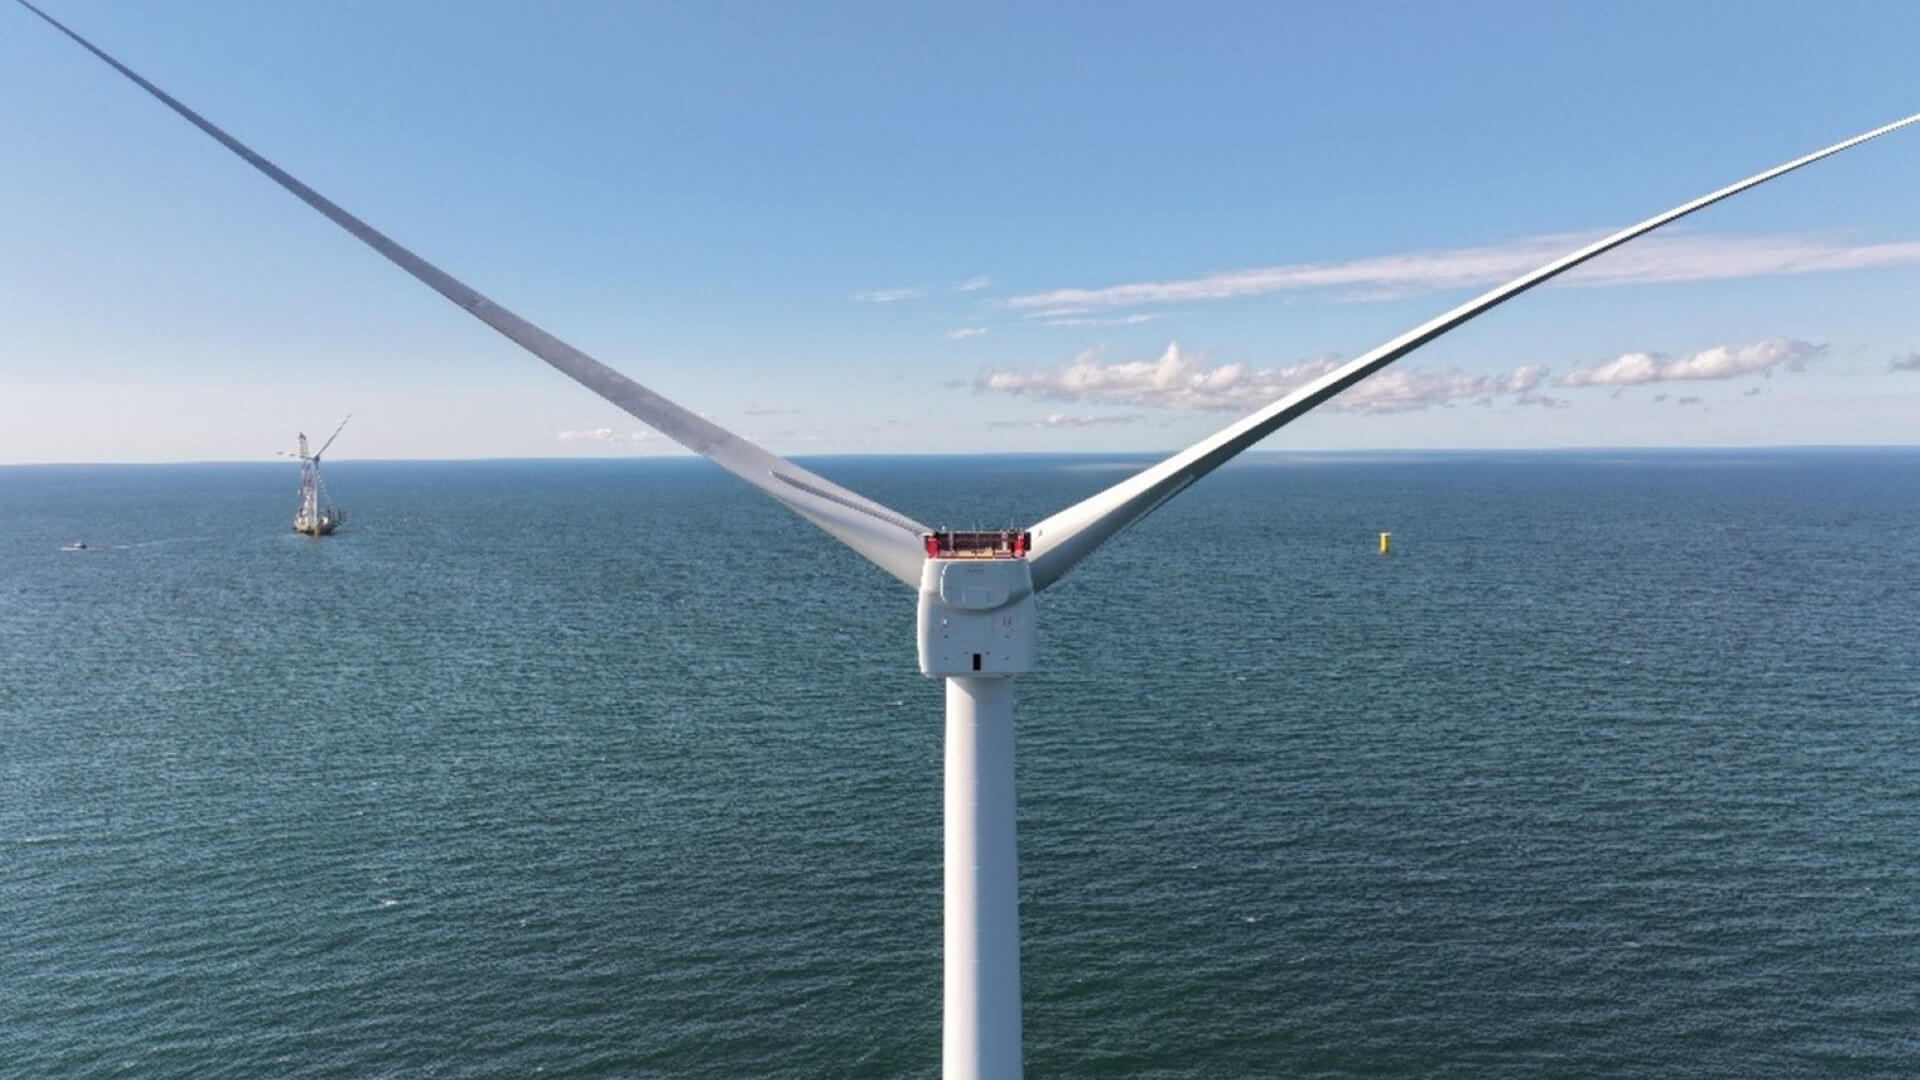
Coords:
pixel 608 769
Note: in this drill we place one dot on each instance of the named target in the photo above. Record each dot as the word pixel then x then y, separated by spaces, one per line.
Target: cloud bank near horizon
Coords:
pixel 607 436
pixel 1183 380
pixel 1179 379
pixel 1719 362
pixel 1066 420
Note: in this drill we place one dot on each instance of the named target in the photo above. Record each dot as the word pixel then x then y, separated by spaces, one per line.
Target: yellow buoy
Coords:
pixel 1386 542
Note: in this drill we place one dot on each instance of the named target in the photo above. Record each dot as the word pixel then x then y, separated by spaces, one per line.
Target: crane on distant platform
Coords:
pixel 316 516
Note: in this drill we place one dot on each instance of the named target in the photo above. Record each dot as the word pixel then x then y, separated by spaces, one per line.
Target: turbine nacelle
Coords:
pixel 977 617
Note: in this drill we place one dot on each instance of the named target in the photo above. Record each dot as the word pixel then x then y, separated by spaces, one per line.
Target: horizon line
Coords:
pixel 1145 455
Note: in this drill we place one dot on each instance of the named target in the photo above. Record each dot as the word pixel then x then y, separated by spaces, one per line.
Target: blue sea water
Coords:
pixel 1611 769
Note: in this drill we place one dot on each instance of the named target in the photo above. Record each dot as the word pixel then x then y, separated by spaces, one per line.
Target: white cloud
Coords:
pixel 1124 320
pixel 762 410
pixel 1719 362
pixel 1067 420
pixel 606 436
pixel 888 296
pixel 1909 362
pixel 1181 380
pixel 974 284
pixel 1534 397
pixel 1410 390
pixel 965 332
pixel 1682 257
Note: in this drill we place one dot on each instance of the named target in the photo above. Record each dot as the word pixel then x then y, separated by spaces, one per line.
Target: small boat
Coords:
pixel 77 545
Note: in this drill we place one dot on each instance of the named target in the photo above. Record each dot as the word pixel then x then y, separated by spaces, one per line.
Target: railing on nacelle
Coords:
pixel 989 544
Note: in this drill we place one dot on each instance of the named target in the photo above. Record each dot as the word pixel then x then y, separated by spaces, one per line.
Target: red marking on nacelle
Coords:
pixel 995 544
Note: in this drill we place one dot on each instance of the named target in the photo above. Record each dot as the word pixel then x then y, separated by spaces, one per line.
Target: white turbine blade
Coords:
pixel 889 539
pixel 1072 534
pixel 330 438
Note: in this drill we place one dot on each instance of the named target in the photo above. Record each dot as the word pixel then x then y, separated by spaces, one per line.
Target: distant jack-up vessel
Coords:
pixel 977 622
pixel 317 515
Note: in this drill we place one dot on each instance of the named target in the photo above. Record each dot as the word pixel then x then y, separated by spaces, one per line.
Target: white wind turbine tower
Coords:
pixel 977 616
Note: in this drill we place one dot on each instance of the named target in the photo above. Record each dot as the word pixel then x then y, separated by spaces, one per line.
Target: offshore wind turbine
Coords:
pixel 977 621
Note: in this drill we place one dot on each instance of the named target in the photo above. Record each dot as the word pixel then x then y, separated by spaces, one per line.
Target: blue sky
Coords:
pixel 863 228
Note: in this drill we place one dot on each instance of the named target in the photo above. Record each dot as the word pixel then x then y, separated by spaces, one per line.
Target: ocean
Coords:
pixel 614 768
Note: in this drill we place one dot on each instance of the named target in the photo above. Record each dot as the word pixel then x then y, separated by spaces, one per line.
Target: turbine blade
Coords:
pixel 890 540
pixel 1064 539
pixel 330 438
